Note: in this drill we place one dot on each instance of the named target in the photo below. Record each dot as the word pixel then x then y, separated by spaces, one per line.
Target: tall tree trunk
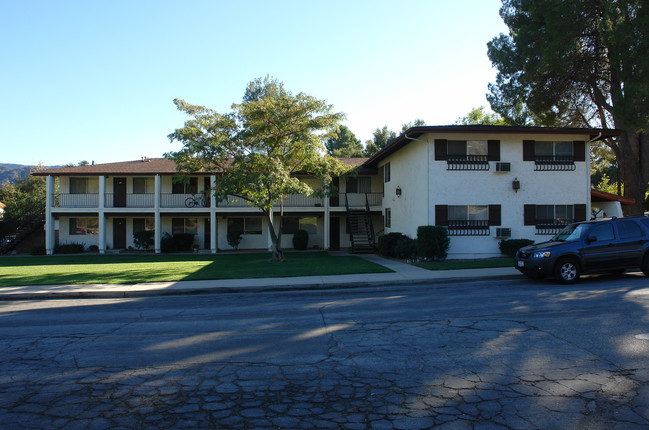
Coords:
pixel 633 163
pixel 275 238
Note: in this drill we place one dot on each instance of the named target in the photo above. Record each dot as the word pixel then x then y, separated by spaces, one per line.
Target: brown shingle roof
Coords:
pixel 148 166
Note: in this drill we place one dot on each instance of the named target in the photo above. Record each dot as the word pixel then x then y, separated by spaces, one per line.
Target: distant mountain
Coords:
pixel 13 172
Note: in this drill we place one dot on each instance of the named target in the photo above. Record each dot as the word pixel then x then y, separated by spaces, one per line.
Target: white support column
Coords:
pixel 102 192
pixel 327 220
pixel 214 225
pixel 49 218
pixel 158 223
pixel 102 231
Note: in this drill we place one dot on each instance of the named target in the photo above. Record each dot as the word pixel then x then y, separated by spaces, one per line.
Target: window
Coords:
pixel 143 186
pixel 554 155
pixel 83 186
pixel 143 224
pixel 388 217
pixel 602 233
pixel 84 226
pixel 247 225
pixel 190 188
pixel 290 225
pixel 554 214
pixel 386 172
pixel 550 219
pixel 629 230
pixel 467 154
pixel 468 220
pixel 362 184
pixel 184 225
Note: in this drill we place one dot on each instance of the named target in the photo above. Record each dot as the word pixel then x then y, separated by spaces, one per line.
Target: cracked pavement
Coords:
pixel 508 354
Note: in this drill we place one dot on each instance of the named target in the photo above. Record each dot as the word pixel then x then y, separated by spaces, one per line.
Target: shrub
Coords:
pixel 396 245
pixel 404 248
pixel 69 248
pixel 301 240
pixel 511 246
pixel 183 241
pixel 38 249
pixel 167 243
pixel 432 242
pixel 93 248
pixel 143 239
pixel 234 239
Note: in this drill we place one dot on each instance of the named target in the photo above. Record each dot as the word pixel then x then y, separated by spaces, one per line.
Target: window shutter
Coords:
pixel 493 150
pixel 441 215
pixel 580 212
pixel 579 150
pixel 528 150
pixel 529 214
pixel 494 215
pixel 440 149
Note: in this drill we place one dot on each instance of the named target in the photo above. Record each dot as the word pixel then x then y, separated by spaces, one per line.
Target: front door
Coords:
pixel 334 233
pixel 119 233
pixel 119 192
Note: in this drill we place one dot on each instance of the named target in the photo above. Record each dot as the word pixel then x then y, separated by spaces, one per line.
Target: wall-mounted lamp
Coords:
pixel 398 191
pixel 516 184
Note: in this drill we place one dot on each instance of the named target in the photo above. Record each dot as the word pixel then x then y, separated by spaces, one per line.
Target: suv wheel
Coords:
pixel 567 271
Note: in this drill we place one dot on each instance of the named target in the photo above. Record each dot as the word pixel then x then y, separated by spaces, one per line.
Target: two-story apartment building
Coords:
pixel 485 183
pixel 102 205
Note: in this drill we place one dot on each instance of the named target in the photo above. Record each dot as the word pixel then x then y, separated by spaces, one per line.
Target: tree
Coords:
pixel 260 147
pixel 416 123
pixel 480 116
pixel 382 138
pixel 24 200
pixel 579 63
pixel 344 144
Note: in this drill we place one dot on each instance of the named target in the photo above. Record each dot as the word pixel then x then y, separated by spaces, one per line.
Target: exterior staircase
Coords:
pixel 361 230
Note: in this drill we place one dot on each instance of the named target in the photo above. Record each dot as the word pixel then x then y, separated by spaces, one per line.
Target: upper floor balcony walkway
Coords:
pixel 199 202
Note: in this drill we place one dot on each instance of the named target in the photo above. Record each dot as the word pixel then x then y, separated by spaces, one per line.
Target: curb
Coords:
pixel 47 295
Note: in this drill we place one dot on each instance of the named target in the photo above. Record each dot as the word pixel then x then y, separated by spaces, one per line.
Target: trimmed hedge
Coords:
pixel 432 242
pixel 511 246
pixel 69 248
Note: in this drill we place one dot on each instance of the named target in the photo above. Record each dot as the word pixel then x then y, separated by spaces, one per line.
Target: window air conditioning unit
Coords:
pixel 503 167
pixel 503 232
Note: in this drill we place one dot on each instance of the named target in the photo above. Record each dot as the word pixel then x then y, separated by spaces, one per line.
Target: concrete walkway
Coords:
pixel 403 274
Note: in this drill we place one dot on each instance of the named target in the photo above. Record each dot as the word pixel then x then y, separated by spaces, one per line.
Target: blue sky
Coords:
pixel 95 80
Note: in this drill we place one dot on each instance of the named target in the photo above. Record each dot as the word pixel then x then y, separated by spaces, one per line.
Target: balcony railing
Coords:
pixel 554 162
pixel 360 199
pixel 132 200
pixel 468 228
pixel 76 200
pixel 467 162
pixel 551 227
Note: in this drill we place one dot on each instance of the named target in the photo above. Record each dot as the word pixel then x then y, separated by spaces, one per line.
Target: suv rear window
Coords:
pixel 628 230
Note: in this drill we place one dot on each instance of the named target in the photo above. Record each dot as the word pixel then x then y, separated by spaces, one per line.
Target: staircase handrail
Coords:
pixel 349 222
pixel 369 218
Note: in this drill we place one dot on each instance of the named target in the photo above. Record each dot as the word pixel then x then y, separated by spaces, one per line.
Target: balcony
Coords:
pixel 467 162
pixel 75 200
pixel 357 199
pixel 132 201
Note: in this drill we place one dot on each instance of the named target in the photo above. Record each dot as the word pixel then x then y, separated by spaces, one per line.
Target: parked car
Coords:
pixel 612 245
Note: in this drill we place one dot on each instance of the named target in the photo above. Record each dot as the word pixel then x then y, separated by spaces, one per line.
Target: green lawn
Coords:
pixel 468 264
pixel 126 269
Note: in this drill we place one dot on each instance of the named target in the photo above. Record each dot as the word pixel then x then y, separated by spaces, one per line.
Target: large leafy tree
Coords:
pixel 579 63
pixel 24 200
pixel 344 144
pixel 480 116
pixel 260 147
pixel 382 138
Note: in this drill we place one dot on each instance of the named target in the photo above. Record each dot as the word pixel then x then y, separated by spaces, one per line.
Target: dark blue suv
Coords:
pixel 612 245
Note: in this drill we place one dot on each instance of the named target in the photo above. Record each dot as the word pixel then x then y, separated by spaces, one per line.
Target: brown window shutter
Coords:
pixel 440 149
pixel 529 214
pixel 580 212
pixel 441 215
pixel 579 150
pixel 494 215
pixel 528 150
pixel 493 150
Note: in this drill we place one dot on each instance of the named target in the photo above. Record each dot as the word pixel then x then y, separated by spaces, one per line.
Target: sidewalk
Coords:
pixel 404 274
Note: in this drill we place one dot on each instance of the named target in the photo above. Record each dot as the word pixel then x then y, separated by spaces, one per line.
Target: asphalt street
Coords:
pixel 511 354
